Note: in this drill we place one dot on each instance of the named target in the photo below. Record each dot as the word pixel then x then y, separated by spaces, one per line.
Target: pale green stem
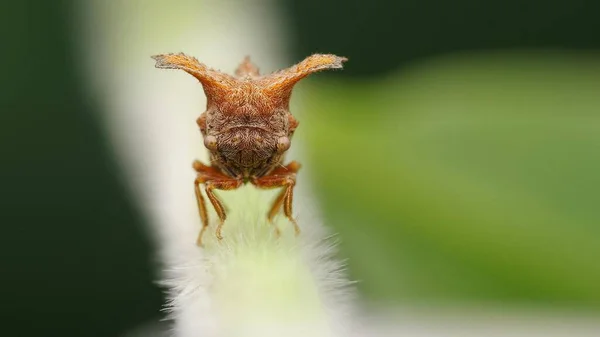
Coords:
pixel 250 284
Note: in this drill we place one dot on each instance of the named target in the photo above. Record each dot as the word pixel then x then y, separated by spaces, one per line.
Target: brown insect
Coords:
pixel 247 127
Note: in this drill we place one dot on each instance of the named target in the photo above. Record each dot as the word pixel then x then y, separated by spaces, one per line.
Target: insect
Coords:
pixel 247 127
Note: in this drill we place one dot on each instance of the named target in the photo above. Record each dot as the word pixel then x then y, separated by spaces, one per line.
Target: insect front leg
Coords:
pixel 212 178
pixel 201 207
pixel 220 184
pixel 285 198
pixel 291 168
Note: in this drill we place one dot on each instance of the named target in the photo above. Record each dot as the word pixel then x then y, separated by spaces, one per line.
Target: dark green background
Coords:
pixel 75 258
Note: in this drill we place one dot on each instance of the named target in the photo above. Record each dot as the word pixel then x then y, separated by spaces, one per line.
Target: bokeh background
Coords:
pixel 456 156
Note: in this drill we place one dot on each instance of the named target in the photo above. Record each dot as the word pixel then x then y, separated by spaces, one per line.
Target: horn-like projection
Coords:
pixel 215 83
pixel 280 84
pixel 247 68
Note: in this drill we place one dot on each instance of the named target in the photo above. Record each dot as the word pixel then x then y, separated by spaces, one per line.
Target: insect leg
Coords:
pixel 210 176
pixel 290 168
pixel 220 184
pixel 288 181
pixel 276 206
pixel 208 170
pixel 287 205
pixel 201 208
pixel 275 209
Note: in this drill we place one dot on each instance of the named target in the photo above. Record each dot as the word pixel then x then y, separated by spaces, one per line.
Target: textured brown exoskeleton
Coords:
pixel 247 127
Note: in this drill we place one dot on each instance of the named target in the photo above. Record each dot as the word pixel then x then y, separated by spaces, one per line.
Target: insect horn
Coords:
pixel 215 83
pixel 247 68
pixel 279 85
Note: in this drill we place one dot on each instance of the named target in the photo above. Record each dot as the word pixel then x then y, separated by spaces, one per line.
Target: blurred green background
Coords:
pixel 456 155
pixel 467 180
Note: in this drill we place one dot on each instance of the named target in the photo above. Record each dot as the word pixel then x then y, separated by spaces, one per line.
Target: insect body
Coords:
pixel 247 128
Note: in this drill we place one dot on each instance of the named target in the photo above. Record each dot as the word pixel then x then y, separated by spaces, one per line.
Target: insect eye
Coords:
pixel 210 142
pixel 283 144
